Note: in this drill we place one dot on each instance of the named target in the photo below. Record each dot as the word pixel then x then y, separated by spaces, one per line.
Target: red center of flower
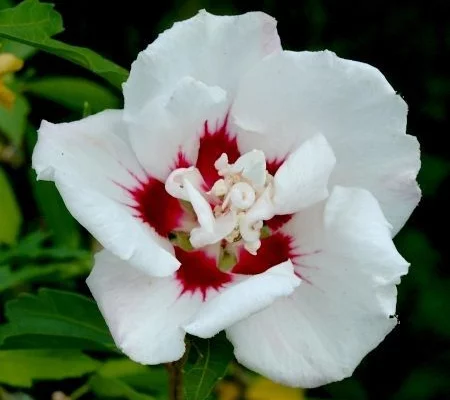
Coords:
pixel 199 271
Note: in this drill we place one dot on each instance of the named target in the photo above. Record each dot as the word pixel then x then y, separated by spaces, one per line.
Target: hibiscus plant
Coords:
pixel 243 201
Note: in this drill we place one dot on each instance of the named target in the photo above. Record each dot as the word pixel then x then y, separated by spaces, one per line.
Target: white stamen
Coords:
pixel 252 166
pixel 242 195
pixel 252 247
pixel 220 188
pixel 243 200
pixel 174 183
pixel 221 164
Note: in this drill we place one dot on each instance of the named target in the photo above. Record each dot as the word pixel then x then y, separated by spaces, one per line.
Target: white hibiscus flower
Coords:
pixel 243 188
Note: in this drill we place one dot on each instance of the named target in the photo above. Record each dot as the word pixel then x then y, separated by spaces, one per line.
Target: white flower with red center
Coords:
pixel 243 188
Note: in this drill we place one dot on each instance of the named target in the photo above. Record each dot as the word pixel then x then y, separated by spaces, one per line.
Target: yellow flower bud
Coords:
pixel 8 63
pixel 264 389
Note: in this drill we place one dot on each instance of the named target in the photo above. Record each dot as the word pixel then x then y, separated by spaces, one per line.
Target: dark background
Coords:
pixel 410 44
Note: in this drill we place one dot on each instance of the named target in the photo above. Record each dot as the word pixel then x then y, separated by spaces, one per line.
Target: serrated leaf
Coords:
pixel 10 216
pixel 207 363
pixel 22 367
pixel 54 318
pixel 34 23
pixel 115 388
pixel 73 92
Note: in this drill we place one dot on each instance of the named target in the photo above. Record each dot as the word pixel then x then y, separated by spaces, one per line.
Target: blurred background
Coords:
pixel 41 245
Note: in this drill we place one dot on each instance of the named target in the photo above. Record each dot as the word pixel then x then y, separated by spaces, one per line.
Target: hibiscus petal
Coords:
pixel 302 179
pixel 91 163
pixel 289 97
pixel 216 50
pixel 144 314
pixel 170 126
pixel 242 299
pixel 345 306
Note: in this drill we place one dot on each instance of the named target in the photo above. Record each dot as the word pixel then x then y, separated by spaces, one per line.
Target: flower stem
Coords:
pixel 175 380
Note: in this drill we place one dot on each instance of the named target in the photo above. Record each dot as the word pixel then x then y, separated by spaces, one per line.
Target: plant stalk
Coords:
pixel 175 380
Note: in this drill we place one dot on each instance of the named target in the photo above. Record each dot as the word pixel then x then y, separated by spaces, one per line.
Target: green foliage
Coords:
pixel 348 389
pixel 22 367
pixel 424 384
pixel 115 388
pixel 136 375
pixel 54 319
pixel 59 221
pixel 54 335
pixel 207 363
pixel 32 249
pixel 73 92
pixel 13 122
pixel 434 170
pixel 125 379
pixel 34 23
pixel 38 273
pixel 10 216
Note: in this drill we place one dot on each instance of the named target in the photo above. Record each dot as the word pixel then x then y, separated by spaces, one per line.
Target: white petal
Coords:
pixel 240 300
pixel 144 314
pixel 289 97
pixel 302 179
pixel 173 122
pixel 90 164
pixel 342 310
pixel 216 50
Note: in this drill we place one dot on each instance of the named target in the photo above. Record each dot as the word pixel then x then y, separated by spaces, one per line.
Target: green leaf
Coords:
pixel 115 388
pixel 33 23
pixel 10 216
pixel 58 272
pixel 54 318
pixel 13 121
pixel 4 395
pixel 73 92
pixel 5 4
pixel 65 229
pixel 207 363
pixel 30 250
pixel 20 50
pixel 140 377
pixel 22 367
